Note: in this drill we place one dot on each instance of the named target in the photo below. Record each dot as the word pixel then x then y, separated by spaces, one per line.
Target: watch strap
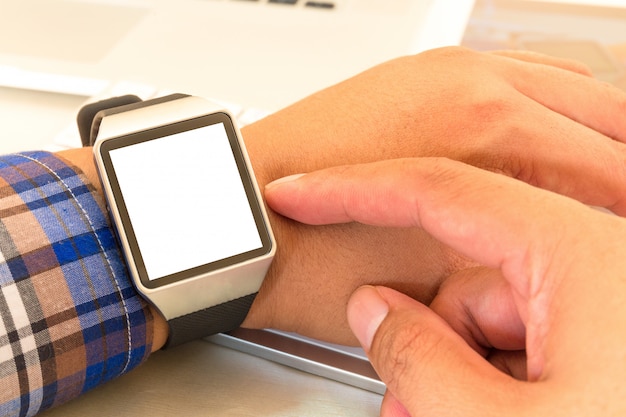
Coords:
pixel 90 116
pixel 87 113
pixel 217 319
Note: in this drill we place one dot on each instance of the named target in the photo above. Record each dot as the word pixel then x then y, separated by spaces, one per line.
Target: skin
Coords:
pixel 552 284
pixel 510 113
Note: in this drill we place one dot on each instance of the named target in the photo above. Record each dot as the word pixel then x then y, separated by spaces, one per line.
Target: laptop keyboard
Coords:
pixel 321 4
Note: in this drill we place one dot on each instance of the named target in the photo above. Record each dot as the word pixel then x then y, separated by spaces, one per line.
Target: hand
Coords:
pixel 542 120
pixel 539 119
pixel 529 116
pixel 556 286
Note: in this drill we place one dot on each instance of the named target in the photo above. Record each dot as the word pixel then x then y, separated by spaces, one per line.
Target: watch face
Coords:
pixel 185 199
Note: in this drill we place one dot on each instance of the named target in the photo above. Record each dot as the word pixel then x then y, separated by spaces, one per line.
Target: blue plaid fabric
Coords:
pixel 70 318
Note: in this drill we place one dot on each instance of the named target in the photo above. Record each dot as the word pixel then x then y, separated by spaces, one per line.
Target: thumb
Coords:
pixel 426 366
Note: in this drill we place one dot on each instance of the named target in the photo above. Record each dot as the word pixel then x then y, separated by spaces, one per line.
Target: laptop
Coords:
pixel 262 53
pixel 56 55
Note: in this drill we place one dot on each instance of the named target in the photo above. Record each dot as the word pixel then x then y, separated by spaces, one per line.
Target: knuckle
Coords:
pixel 451 53
pixel 493 107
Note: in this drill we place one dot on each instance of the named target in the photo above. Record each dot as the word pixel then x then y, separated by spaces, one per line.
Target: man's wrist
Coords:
pixel 267 167
pixel 82 158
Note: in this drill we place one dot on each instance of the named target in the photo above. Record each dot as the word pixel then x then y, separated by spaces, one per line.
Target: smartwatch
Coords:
pixel 186 209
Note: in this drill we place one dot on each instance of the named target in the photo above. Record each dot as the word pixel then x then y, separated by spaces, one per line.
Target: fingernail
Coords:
pixel 366 311
pixel 283 180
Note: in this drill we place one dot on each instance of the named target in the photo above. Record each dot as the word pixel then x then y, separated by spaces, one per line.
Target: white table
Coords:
pixel 203 379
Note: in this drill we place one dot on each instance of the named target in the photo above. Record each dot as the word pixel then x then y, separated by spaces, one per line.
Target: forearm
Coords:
pixel 316 269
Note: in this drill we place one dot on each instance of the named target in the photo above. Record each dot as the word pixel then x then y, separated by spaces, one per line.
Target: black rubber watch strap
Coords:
pixel 87 114
pixel 217 319
pixel 90 116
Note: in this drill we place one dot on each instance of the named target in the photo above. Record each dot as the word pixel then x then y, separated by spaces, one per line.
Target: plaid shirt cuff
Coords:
pixel 70 317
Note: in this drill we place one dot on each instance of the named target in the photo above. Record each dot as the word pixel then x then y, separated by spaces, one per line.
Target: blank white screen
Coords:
pixel 185 200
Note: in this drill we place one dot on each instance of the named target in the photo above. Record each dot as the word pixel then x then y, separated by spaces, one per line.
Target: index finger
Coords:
pixel 498 221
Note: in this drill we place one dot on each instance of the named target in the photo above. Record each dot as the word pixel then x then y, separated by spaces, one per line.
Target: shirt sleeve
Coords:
pixel 70 318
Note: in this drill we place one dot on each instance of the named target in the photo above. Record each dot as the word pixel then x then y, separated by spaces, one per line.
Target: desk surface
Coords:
pixel 203 379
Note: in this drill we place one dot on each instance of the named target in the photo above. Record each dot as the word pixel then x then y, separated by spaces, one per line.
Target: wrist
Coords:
pixel 263 166
pixel 82 158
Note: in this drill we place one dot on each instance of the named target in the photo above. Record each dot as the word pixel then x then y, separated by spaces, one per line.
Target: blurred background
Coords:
pixel 588 31
pixel 257 56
